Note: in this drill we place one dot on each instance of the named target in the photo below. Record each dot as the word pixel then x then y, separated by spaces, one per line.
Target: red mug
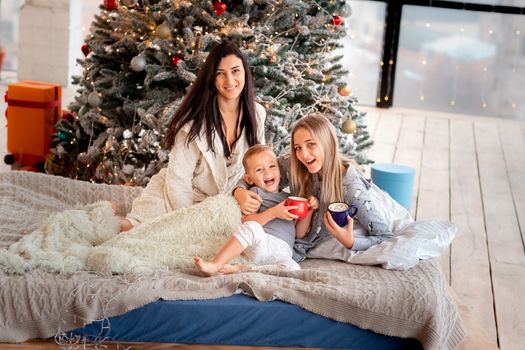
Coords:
pixel 300 203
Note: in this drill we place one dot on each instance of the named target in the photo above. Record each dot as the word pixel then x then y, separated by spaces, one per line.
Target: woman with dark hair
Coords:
pixel 216 122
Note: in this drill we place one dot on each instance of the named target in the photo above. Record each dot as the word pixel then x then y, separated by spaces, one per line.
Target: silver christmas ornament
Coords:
pixel 94 99
pixel 138 63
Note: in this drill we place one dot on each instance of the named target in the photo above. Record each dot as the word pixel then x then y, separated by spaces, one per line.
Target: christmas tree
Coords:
pixel 142 55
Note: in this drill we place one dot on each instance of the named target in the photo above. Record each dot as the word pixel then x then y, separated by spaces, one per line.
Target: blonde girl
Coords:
pixel 315 168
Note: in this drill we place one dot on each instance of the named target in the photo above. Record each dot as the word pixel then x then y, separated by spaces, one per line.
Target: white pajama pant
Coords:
pixel 263 249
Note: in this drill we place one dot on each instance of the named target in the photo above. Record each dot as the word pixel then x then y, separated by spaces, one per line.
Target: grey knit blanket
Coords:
pixel 37 304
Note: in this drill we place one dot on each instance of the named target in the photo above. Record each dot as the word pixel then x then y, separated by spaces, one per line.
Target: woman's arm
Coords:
pixel 180 171
pixel 345 235
pixel 261 119
pixel 250 201
pixel 302 226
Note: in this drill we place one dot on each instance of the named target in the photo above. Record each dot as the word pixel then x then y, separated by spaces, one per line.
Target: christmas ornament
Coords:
pixel 94 99
pixel 62 136
pixel 163 31
pixel 344 90
pixel 56 164
pixel 70 117
pixel 337 20
pixel 349 127
pixel 219 8
pixel 85 49
pixel 100 171
pixel 175 59
pixel 110 5
pixel 138 63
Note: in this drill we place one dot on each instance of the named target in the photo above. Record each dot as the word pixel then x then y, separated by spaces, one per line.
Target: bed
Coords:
pixel 369 305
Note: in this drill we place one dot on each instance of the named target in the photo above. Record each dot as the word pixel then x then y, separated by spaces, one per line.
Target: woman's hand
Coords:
pixel 345 235
pixel 313 203
pixel 249 201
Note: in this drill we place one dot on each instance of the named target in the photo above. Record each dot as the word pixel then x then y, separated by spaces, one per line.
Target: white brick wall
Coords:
pixel 50 40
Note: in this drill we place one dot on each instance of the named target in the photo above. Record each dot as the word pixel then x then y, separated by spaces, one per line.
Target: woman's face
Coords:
pixel 229 78
pixel 308 150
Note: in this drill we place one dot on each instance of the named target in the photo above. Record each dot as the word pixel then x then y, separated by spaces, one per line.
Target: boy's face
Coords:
pixel 262 170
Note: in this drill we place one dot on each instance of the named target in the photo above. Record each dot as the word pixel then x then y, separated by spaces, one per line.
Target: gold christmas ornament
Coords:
pixel 56 164
pixel 163 31
pixel 344 90
pixel 349 127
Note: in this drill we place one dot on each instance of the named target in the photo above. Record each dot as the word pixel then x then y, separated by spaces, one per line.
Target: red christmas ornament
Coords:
pixel 110 5
pixel 85 49
pixel 67 115
pixel 219 8
pixel 337 20
pixel 175 60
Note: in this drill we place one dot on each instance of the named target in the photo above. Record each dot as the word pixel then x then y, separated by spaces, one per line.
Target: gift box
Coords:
pixel 33 108
pixel 395 179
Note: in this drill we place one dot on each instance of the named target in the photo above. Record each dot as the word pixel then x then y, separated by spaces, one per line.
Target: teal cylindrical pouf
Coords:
pixel 395 179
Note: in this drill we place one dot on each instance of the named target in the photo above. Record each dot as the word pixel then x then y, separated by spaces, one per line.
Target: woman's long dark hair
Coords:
pixel 200 103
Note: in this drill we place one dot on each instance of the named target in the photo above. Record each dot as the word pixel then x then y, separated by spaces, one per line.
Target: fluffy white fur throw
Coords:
pixel 87 238
pixel 170 241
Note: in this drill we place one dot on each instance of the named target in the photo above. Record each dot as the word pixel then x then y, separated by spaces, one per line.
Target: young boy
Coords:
pixel 266 237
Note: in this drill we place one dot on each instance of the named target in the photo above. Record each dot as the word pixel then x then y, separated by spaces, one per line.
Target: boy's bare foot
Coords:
pixel 229 269
pixel 206 268
pixel 124 224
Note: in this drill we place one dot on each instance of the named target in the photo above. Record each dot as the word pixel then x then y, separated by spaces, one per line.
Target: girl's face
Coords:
pixel 229 78
pixel 308 150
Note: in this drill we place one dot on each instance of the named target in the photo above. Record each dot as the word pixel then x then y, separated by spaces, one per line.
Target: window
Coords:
pixel 458 61
pixel 9 32
pixel 363 46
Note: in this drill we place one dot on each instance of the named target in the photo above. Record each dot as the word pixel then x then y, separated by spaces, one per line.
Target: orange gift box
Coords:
pixel 33 108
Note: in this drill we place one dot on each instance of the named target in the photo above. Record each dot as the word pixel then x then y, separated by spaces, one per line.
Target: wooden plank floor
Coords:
pixel 470 170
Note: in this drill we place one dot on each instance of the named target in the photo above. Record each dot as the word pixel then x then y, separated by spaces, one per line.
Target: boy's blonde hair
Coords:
pixel 323 132
pixel 252 151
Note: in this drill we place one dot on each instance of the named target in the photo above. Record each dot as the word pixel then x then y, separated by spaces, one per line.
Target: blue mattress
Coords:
pixel 238 320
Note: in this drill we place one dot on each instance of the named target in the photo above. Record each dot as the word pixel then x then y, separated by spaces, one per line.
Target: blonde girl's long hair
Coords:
pixel 323 133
